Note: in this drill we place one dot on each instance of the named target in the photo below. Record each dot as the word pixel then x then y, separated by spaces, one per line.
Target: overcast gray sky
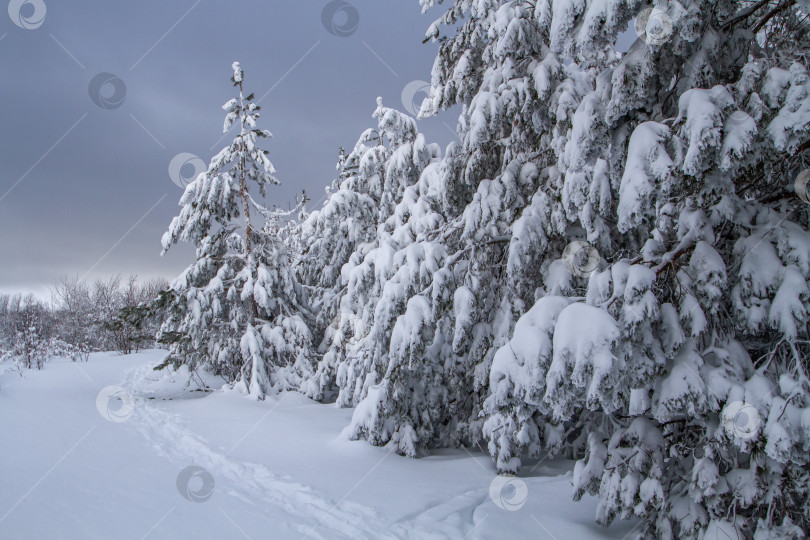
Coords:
pixel 85 190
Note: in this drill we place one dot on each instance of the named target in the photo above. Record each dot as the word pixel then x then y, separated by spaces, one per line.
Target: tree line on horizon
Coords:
pixel 80 317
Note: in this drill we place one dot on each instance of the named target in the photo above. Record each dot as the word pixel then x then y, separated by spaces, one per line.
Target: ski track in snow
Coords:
pixel 250 481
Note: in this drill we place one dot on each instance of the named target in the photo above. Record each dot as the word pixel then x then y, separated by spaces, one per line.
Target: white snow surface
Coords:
pixel 281 468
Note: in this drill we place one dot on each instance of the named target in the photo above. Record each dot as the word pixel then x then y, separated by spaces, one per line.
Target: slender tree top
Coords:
pixel 221 194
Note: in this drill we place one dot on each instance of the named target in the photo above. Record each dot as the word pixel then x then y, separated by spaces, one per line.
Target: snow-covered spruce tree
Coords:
pixel 351 244
pixel 454 306
pixel 342 227
pixel 674 164
pixel 238 308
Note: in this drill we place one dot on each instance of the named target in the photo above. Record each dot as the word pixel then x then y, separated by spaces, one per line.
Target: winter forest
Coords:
pixel 607 270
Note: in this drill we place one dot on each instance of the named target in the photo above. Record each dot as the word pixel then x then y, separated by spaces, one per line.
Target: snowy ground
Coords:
pixel 273 469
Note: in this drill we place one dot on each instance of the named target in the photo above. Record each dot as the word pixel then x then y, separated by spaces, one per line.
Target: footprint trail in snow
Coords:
pixel 313 512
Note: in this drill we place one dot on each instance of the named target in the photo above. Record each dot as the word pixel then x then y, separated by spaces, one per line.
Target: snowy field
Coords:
pixel 273 469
